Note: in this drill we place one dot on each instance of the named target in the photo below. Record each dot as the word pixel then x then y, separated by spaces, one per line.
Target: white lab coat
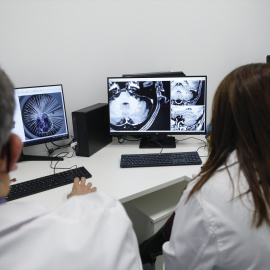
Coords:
pixel 87 232
pixel 211 231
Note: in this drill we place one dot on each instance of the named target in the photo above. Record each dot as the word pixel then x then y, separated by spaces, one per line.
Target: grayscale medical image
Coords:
pixel 42 115
pixel 137 105
pixel 187 118
pixel 186 92
pixel 187 105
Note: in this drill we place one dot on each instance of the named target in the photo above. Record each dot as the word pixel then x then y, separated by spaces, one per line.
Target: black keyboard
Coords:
pixel 45 183
pixel 163 159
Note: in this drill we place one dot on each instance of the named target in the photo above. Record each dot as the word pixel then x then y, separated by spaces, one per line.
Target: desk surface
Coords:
pixel 124 184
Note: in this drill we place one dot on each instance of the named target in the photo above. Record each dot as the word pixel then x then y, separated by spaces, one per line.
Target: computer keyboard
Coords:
pixel 45 183
pixel 163 159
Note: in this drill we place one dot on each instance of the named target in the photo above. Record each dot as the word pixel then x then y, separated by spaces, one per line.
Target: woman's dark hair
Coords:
pixel 241 122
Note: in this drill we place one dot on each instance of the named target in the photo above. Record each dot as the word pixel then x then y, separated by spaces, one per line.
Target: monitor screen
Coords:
pixel 40 114
pixel 157 106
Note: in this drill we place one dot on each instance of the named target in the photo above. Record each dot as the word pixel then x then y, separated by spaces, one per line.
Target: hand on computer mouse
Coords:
pixel 80 188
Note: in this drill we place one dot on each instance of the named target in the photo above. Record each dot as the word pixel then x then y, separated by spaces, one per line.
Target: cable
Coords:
pixel 51 150
pixel 63 146
pixel 157 142
pixel 204 148
pixel 64 156
pixel 191 138
pixel 122 139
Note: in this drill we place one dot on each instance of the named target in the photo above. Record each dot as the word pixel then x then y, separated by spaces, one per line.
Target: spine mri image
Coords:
pixel 42 115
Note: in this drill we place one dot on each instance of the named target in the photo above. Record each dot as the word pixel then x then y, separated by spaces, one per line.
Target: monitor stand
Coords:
pixel 158 141
pixel 38 158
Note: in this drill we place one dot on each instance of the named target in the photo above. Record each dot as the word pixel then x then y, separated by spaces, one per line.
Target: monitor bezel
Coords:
pixel 141 134
pixel 47 139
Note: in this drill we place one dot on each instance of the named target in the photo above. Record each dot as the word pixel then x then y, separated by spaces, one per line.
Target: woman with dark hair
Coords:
pixel 223 218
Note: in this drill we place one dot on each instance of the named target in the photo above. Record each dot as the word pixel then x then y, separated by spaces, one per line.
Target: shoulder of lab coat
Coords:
pixel 212 230
pixel 86 232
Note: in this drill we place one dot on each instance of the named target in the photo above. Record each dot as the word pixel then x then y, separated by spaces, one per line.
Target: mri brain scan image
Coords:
pixel 135 105
pixel 187 118
pixel 187 114
pixel 42 115
pixel 185 92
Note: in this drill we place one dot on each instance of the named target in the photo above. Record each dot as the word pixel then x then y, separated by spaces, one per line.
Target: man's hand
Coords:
pixel 80 188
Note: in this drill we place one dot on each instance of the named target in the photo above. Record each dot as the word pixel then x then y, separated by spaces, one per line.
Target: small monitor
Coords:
pixel 40 114
pixel 153 108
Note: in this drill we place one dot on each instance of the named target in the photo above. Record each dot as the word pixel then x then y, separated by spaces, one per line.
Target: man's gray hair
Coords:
pixel 7 106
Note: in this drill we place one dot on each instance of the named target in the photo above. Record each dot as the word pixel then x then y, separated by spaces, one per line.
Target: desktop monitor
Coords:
pixel 155 108
pixel 40 116
pixel 156 74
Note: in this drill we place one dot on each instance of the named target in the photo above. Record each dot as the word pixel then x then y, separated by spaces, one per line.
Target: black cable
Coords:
pixel 157 142
pixel 139 139
pixel 63 146
pixel 50 151
pixel 64 156
pixel 122 139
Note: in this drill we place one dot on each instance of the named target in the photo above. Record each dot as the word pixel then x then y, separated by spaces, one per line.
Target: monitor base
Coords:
pixel 158 141
pixel 38 158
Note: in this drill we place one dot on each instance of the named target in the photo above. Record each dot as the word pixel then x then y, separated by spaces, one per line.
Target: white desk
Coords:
pixel 124 184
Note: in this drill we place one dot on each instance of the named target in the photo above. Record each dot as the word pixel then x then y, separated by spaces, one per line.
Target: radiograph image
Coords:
pixel 187 92
pixel 187 105
pixel 137 105
pixel 42 115
pixel 187 118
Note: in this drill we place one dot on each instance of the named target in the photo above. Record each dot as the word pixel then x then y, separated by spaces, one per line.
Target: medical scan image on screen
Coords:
pixel 157 104
pixel 42 115
pixel 187 106
pixel 135 105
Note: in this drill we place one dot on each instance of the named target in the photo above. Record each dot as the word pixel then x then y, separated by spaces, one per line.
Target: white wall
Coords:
pixel 81 43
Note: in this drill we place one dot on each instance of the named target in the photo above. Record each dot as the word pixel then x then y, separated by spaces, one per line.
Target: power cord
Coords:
pixel 63 156
pixel 122 139
pixel 192 138
pixel 51 150
pixel 204 146
pixel 158 144
pixel 72 144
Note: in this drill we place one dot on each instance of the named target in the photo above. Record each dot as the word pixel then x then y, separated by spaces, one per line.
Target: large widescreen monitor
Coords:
pixel 40 114
pixel 154 109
